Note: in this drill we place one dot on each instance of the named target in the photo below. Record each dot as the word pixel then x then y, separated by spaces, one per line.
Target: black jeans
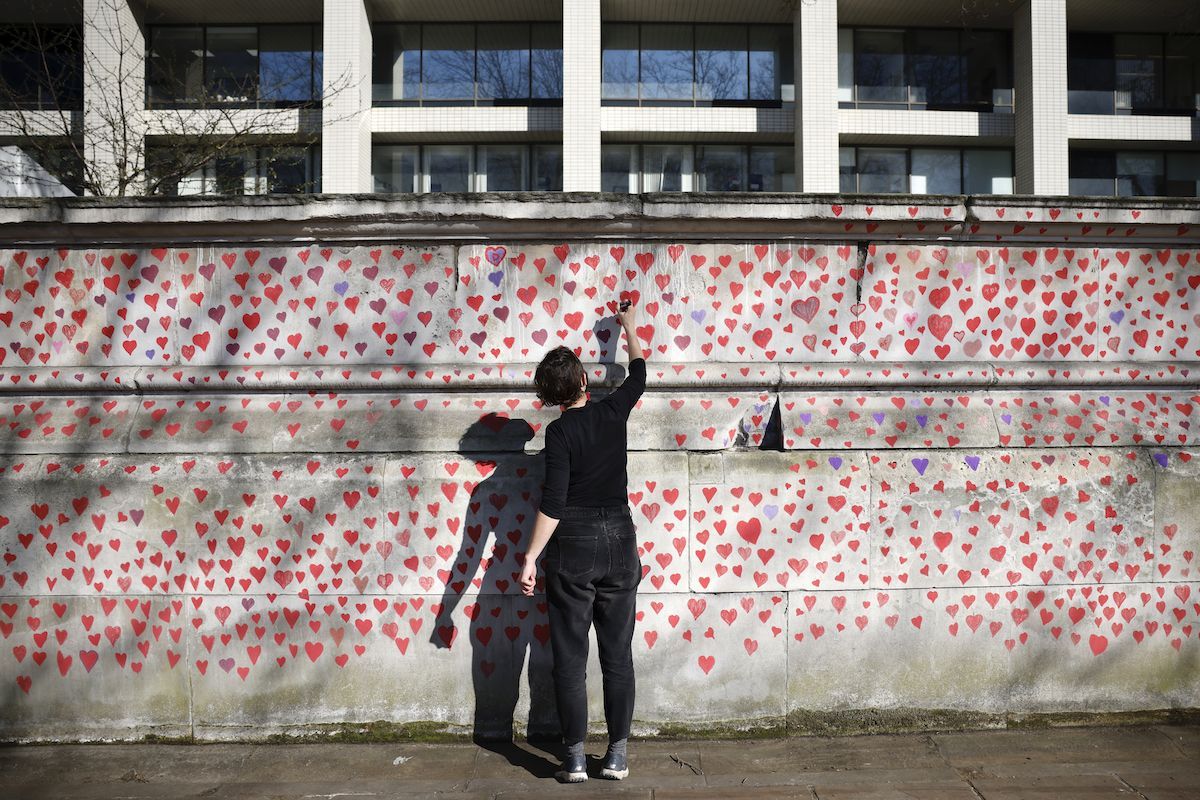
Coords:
pixel 592 573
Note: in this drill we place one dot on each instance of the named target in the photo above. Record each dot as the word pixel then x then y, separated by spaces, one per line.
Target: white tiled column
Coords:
pixel 346 125
pixel 114 94
pixel 581 96
pixel 1040 72
pixel 815 39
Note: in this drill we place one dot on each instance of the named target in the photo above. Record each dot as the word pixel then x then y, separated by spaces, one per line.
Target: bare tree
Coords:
pixel 84 103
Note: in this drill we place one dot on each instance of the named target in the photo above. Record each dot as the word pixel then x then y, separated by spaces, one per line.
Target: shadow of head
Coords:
pixel 492 433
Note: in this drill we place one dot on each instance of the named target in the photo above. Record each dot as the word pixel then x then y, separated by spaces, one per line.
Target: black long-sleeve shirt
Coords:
pixel 586 450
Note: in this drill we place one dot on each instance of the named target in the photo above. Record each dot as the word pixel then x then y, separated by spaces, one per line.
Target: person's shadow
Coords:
pixel 496 526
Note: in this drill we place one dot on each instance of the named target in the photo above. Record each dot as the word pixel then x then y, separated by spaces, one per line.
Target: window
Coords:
pixel 1132 74
pixel 249 171
pixel 666 62
pixel 231 63
pixel 176 65
pixel 395 168
pixel 265 65
pixel 1183 175
pixel 925 170
pixel 467 64
pixel 1134 173
pixel 448 62
pixel 925 69
pixel 396 63
pixel 630 168
pixel 546 59
pixel 936 171
pixel 722 63
pixel 289 63
pixel 707 64
pixel 467 168
pixel 41 67
pixel 619 170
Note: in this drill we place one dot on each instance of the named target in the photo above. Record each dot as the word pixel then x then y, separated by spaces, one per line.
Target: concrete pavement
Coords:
pixel 1158 762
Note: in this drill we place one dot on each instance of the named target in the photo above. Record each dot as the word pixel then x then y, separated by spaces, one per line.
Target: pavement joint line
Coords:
pixel 1130 787
pixel 1170 739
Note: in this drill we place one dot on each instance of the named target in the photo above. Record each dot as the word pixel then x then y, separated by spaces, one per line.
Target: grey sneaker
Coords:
pixel 615 767
pixel 574 770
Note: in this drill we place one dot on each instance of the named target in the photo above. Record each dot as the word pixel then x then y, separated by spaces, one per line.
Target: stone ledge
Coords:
pixel 660 376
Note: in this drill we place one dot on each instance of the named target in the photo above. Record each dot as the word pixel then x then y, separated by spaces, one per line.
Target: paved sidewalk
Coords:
pixel 1148 763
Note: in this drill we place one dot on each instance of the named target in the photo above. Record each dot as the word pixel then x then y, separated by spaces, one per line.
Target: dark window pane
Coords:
pixel 847 170
pixel 503 62
pixel 1092 172
pixel 1140 174
pixel 936 171
pixel 771 60
pixel 1090 73
pixel 935 70
pixel 618 168
pixel 234 174
pixel 619 62
pixel 881 170
pixel 547 60
pixel 396 62
pixel 667 62
pixel 232 63
pixel 879 66
pixel 772 169
pixel 285 63
pixel 394 168
pixel 1183 174
pixel 720 168
pixel 448 62
pixel 286 170
pixel 448 168
pixel 1139 71
pixel 1182 74
pixel 666 168
pixel 504 168
pixel 721 65
pixel 176 64
pixel 547 168
pixel 41 66
pixel 987 56
pixel 987 172
pixel 318 73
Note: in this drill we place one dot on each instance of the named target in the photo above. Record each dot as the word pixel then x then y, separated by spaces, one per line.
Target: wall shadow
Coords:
pixel 496 522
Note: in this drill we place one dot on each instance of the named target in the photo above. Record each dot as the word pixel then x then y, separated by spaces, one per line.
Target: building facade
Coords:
pixel 1049 97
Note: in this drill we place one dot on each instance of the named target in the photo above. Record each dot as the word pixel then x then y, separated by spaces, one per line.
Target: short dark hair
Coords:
pixel 557 378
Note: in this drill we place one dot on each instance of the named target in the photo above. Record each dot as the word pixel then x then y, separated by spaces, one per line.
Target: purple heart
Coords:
pixel 232 348
pixel 226 664
pixel 341 286
pixel 770 511
pixel 495 277
pixel 836 462
pixel 149 353
pixel 185 323
pixel 921 464
pixel 1117 316
pixel 922 419
pixel 1007 418
pixel 972 462
pixel 806 418
pixel 136 515
pixel 1105 399
pixel 1161 459
pixel 698 315
pixel 878 416
pixel 130 296
pixel 247 603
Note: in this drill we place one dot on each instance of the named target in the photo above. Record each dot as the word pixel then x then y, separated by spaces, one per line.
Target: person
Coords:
pixel 592 567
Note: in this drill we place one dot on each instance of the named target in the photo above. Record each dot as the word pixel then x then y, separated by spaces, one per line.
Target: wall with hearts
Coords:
pixel 251 488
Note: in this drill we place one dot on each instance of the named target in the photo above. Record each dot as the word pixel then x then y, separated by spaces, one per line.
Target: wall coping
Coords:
pixel 92 221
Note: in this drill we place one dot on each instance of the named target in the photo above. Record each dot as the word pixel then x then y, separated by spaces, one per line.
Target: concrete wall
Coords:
pixel 908 458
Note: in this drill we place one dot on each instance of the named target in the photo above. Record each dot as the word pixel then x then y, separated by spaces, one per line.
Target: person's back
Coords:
pixel 586 450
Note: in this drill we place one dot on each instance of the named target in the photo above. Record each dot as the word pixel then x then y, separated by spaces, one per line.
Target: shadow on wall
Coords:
pixel 488 527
